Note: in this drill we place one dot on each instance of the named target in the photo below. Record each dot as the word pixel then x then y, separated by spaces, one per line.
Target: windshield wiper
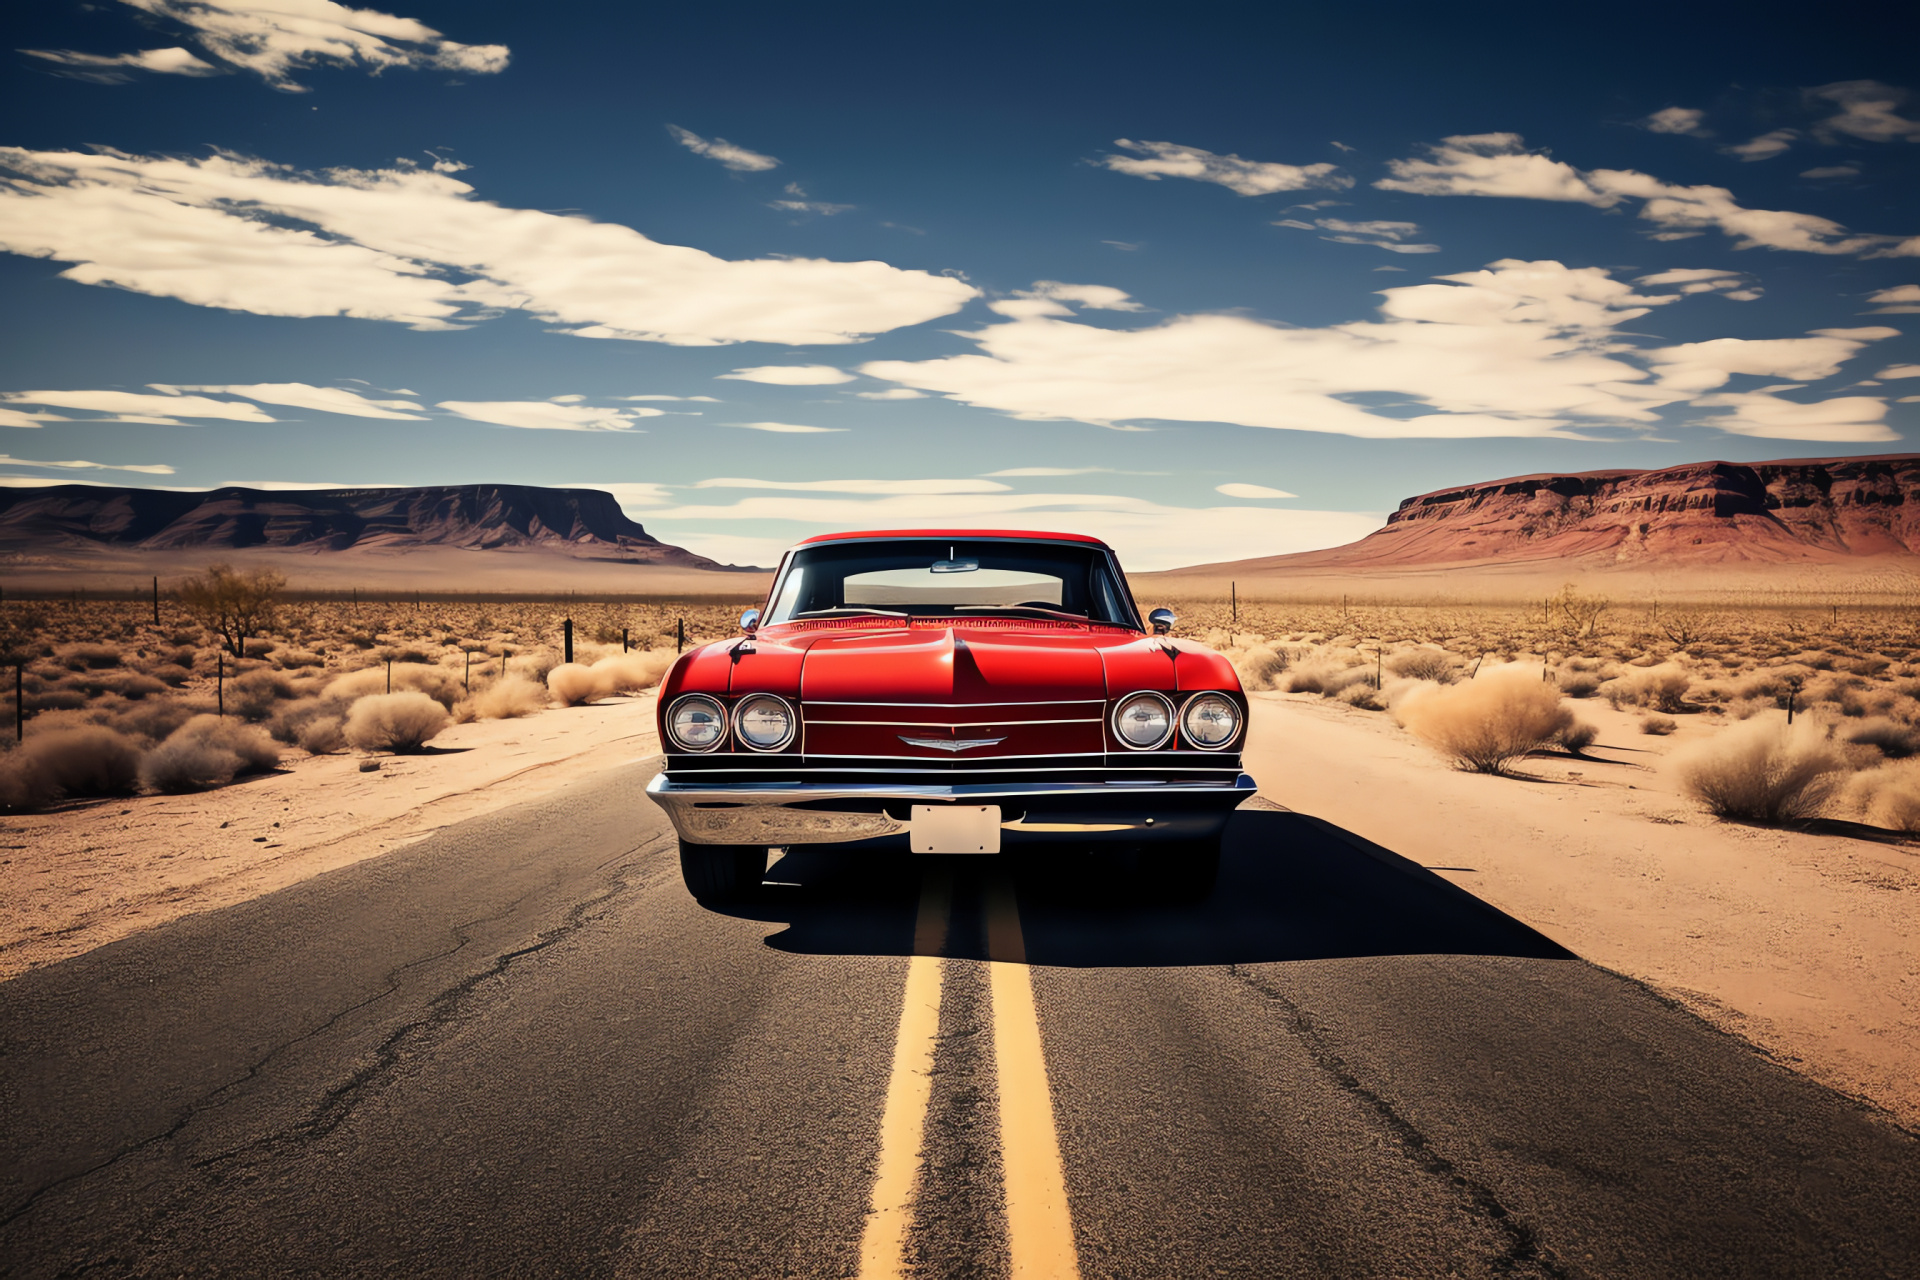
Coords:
pixel 1022 608
pixel 850 611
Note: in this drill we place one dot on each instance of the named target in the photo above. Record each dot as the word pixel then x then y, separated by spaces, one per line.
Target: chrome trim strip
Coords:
pixel 768 813
pixel 942 724
pixel 952 706
pixel 982 764
pixel 950 744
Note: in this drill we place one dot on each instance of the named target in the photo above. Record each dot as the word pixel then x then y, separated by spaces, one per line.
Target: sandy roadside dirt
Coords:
pixel 1806 945
pixel 84 875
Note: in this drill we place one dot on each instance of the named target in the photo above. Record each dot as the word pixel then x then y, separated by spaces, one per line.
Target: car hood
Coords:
pixel 953 666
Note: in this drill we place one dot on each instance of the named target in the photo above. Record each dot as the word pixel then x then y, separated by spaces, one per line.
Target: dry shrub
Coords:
pixel 1763 771
pixel 572 683
pixel 397 722
pixel 157 718
pixel 1896 741
pixel 1580 684
pixel 172 673
pixel 252 696
pixel 1658 726
pixel 1363 695
pixel 1259 667
pixel 441 686
pixel 508 698
pixel 88 657
pixel 1488 723
pixel 1575 735
pixel 1888 796
pixel 299 658
pixel 322 735
pixel 1663 687
pixel 1436 665
pixel 87 760
pixel 208 751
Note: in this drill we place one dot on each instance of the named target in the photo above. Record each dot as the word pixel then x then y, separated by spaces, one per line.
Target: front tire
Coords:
pixel 1182 872
pixel 723 872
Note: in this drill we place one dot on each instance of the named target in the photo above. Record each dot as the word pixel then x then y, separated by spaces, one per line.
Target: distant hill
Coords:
pixel 1744 520
pixel 581 523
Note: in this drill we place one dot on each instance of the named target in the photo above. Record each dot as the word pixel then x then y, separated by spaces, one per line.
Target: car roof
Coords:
pixel 1021 534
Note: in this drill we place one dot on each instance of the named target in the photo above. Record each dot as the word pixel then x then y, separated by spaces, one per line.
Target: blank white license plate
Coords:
pixel 954 828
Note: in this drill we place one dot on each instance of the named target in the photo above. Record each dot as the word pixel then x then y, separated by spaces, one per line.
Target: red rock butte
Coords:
pixel 1703 523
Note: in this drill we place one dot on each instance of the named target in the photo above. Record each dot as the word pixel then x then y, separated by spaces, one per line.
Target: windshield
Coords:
pixel 922 577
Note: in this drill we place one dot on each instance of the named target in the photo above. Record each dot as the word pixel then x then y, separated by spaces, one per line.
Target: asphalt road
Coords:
pixel 519 1049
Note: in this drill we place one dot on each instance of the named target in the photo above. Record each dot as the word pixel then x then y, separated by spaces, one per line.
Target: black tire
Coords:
pixel 723 872
pixel 1182 872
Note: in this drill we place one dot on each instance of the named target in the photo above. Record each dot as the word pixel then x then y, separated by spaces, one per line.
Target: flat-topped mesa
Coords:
pixel 467 517
pixel 1806 509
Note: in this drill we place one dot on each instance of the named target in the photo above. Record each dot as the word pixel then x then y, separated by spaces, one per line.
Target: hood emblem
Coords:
pixel 951 744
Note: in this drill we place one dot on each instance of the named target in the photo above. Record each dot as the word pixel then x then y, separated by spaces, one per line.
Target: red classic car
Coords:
pixel 935 691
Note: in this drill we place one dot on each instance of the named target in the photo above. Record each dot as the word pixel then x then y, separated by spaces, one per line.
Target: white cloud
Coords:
pixel 416 247
pixel 1899 371
pixel 29 421
pixel 1499 164
pixel 782 428
pixel 135 406
pixel 1867 112
pixel 1702 366
pixel 858 486
pixel 77 465
pixel 1518 349
pixel 1252 491
pixel 274 38
pixel 736 158
pixel 1677 120
pixel 1763 413
pixel 1148 535
pixel 892 393
pixel 301 396
pixel 1831 171
pixel 686 399
pixel 1093 297
pixel 791 375
pixel 113 69
pixel 821 207
pixel 1902 299
pixel 1733 284
pixel 1764 147
pixel 1157 160
pixel 545 415
pixel 1391 236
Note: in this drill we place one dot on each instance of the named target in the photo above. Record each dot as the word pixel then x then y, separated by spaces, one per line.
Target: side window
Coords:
pixel 790 590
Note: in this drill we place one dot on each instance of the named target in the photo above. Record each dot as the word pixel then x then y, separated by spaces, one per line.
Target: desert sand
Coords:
pixel 1804 944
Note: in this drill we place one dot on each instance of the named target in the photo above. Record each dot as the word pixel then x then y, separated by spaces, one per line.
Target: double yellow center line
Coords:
pixel 1039 1223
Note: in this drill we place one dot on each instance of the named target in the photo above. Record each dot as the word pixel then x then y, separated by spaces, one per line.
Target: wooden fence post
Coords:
pixel 566 630
pixel 679 634
pixel 220 682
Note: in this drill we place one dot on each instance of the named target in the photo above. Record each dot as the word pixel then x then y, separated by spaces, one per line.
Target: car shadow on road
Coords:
pixel 1291 887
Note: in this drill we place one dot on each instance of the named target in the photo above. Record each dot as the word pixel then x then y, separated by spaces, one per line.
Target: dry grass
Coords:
pixel 107 666
pixel 86 760
pixel 1763 771
pixel 397 722
pixel 208 751
pixel 1488 723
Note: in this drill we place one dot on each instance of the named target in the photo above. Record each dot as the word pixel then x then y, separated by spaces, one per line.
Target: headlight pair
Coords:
pixel 699 723
pixel 1144 721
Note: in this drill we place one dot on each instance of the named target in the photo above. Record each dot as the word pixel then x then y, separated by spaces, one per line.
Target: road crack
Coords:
pixel 1525 1253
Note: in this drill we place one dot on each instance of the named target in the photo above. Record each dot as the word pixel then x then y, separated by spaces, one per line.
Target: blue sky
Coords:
pixel 1207 284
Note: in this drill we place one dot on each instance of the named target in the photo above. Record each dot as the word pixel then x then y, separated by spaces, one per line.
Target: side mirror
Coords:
pixel 750 621
pixel 1162 620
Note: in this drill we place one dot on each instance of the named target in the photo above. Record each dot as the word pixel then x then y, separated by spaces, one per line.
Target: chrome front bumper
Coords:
pixel 787 813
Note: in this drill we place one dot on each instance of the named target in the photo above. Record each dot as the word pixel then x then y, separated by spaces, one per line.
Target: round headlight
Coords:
pixel 1143 721
pixel 697 723
pixel 764 722
pixel 1210 721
